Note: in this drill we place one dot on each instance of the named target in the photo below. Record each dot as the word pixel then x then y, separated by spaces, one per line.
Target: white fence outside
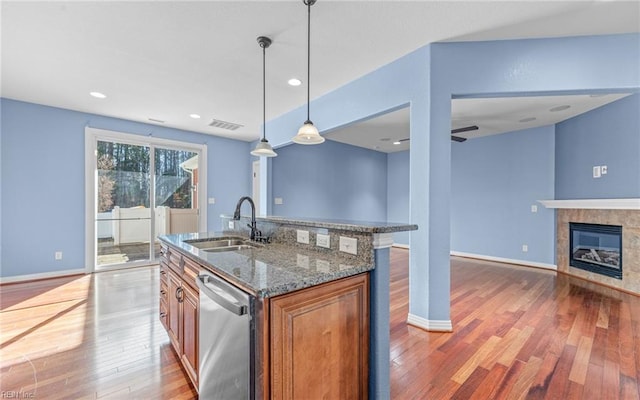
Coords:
pixel 132 225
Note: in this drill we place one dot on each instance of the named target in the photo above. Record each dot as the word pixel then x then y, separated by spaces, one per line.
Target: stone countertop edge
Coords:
pixel 343 225
pixel 283 275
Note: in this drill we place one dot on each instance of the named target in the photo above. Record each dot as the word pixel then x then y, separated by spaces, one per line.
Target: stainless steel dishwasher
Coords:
pixel 225 341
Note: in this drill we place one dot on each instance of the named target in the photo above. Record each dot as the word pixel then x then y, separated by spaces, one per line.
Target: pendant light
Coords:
pixel 263 148
pixel 308 133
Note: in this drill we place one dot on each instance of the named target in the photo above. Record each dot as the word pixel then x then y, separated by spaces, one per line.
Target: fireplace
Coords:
pixel 596 248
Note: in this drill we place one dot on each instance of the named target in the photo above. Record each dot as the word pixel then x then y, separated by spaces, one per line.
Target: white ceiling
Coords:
pixel 491 115
pixel 165 60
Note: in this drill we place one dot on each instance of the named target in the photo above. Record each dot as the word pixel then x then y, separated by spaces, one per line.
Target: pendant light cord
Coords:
pixel 308 57
pixel 264 95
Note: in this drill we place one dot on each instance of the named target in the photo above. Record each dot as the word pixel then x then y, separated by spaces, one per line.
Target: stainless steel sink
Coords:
pixel 228 248
pixel 216 245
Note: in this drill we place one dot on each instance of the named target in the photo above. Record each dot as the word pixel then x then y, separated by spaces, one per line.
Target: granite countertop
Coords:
pixel 271 269
pixel 346 225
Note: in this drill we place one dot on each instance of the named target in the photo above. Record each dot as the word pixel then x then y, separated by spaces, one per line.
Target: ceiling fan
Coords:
pixel 454 131
pixel 460 130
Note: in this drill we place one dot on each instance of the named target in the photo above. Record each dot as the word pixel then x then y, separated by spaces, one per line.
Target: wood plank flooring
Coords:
pixel 88 337
pixel 519 333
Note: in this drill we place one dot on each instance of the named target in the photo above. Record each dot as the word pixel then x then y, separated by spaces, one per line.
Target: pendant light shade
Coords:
pixel 308 133
pixel 263 148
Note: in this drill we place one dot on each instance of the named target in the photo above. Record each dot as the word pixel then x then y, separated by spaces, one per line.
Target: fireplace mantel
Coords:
pixel 594 204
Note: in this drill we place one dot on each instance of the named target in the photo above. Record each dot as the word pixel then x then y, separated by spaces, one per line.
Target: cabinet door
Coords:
pixel 320 341
pixel 174 284
pixel 190 332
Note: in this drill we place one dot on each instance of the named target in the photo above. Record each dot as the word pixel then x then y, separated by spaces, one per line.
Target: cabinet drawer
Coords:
pixel 163 274
pixel 175 263
pixel 164 291
pixel 191 271
pixel 163 313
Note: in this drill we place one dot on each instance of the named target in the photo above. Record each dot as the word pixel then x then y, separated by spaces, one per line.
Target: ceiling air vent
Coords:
pixel 216 123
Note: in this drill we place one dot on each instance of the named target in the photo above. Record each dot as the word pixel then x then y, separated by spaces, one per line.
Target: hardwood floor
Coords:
pixel 518 333
pixel 87 337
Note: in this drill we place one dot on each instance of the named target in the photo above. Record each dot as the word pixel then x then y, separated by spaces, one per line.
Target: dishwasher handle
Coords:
pixel 219 295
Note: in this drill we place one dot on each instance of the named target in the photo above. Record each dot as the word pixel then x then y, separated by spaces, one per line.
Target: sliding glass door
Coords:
pixel 142 191
pixel 123 219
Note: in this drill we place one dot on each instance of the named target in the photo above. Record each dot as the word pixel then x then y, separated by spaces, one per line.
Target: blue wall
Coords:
pixel 427 79
pixel 333 180
pixel 494 182
pixel 43 182
pixel 609 135
pixel 398 192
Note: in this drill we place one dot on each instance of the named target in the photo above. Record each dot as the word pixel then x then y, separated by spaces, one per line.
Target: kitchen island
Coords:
pixel 320 297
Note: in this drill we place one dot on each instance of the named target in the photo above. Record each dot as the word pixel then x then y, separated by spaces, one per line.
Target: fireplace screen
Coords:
pixel 596 248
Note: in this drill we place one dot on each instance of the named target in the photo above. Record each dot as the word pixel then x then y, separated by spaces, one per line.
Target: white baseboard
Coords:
pixel 505 260
pixel 44 275
pixel 429 324
pixel 402 246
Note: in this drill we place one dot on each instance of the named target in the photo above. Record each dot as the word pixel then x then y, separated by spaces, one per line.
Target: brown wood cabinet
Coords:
pixel 320 341
pixel 179 308
pixel 312 343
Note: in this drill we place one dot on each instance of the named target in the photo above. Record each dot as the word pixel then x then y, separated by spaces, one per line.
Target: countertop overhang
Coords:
pixel 343 225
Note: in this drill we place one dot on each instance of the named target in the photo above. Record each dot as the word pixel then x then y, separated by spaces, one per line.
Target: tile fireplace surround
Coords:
pixel 630 222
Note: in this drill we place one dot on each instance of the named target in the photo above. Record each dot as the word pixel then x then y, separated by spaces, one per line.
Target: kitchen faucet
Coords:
pixel 255 233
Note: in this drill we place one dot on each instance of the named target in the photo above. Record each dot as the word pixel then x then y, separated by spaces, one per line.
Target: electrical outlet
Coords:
pixel 349 245
pixel 534 208
pixel 278 200
pixel 212 200
pixel 603 169
pixel 232 224
pixel 58 255
pixel 323 241
pixel 596 171
pixel 525 248
pixel 303 236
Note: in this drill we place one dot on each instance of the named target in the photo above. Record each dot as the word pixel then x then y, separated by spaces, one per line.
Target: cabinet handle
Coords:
pixel 163 314
pixel 163 292
pixel 163 272
pixel 179 294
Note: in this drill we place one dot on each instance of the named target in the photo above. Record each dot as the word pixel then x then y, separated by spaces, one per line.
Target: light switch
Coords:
pixel 212 200
pixel 596 171
pixel 323 240
pixel 277 200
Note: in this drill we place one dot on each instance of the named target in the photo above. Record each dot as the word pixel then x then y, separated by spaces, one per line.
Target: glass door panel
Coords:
pixel 175 191
pixel 123 220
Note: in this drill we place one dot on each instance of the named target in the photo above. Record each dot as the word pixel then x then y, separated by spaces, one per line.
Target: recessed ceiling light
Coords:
pixel 294 82
pixel 560 108
pixel 528 119
pixel 194 116
pixel 98 95
pixel 396 143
